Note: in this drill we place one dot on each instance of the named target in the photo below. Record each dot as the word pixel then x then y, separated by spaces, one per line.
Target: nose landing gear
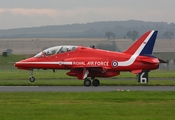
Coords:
pixel 32 79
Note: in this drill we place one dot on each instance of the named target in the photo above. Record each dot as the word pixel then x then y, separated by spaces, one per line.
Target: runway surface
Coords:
pixel 83 88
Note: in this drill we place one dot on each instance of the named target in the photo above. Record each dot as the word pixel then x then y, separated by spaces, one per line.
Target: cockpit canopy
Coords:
pixel 56 50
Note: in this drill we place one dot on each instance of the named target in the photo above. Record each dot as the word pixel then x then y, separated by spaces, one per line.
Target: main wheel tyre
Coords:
pixel 87 82
pixel 32 79
pixel 96 82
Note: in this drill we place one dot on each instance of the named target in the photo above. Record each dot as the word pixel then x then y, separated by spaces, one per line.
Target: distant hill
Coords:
pixel 89 30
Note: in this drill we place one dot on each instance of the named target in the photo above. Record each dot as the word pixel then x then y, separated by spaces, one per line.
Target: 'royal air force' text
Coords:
pixel 92 63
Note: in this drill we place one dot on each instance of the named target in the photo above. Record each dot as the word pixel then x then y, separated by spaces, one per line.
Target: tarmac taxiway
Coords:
pixel 83 88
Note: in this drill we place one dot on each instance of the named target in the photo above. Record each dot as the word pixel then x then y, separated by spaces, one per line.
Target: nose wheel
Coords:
pixel 95 82
pixel 32 79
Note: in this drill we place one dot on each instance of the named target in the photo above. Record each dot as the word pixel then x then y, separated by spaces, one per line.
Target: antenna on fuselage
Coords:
pixel 92 46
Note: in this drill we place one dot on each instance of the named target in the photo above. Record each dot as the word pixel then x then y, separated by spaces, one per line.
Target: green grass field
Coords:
pixel 132 105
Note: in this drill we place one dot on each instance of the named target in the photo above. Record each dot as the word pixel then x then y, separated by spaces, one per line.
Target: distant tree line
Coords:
pixel 109 35
pixel 110 29
pixel 168 35
pixel 133 35
pixel 111 47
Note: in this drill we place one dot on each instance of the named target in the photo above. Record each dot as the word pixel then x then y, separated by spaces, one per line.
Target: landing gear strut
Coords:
pixel 32 79
pixel 95 82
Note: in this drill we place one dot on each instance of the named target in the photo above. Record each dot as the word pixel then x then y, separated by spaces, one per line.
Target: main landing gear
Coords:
pixel 95 82
pixel 32 79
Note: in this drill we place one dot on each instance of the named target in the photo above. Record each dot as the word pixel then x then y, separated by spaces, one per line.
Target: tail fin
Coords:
pixel 144 45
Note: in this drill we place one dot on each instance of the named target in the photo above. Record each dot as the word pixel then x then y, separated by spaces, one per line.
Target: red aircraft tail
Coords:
pixel 144 45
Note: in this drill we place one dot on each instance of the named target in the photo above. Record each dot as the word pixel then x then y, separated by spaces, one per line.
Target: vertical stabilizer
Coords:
pixel 144 45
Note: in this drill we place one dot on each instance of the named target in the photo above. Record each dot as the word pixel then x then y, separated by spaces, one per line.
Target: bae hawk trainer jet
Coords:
pixel 88 63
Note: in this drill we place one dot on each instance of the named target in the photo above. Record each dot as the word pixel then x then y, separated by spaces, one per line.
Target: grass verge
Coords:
pixel 132 105
pixel 48 78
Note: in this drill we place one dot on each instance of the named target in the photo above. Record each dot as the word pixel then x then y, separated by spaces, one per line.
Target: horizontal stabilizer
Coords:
pixel 162 61
pixel 151 61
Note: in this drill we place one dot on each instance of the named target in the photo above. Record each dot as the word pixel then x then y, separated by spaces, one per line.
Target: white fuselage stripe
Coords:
pixel 56 63
pixel 136 54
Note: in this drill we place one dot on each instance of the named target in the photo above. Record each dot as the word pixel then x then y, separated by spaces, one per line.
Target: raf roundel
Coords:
pixel 114 63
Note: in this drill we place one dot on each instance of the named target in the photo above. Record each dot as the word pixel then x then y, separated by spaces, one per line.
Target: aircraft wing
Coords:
pixel 83 72
pixel 94 68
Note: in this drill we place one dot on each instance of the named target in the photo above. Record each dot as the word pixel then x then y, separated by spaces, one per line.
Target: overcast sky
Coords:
pixel 31 13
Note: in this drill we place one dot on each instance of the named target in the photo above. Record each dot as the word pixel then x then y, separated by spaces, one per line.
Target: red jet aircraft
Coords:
pixel 84 62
